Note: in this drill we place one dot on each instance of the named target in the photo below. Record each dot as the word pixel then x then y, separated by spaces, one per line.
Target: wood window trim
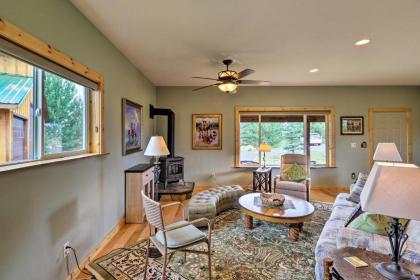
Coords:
pixel 258 109
pixel 371 127
pixel 96 144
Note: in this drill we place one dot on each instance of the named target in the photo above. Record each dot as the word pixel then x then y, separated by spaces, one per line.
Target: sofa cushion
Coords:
pixel 292 186
pixel 358 187
pixel 342 200
pixel 413 231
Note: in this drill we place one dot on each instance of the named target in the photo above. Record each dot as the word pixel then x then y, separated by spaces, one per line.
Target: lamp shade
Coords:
pixel 228 87
pixel 265 148
pixel 387 152
pixel 156 147
pixel 393 189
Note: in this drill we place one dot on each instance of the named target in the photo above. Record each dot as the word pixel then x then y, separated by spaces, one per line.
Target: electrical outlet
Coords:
pixel 66 250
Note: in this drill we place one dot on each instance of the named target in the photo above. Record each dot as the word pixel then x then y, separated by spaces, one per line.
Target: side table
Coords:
pixel 335 267
pixel 262 179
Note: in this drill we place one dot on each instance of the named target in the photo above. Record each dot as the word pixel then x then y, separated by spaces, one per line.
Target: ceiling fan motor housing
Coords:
pixel 228 75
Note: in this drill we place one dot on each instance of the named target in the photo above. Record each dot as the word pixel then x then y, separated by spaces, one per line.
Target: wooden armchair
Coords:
pixel 299 189
pixel 174 237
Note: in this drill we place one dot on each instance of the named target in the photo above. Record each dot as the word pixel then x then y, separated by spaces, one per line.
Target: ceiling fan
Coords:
pixel 228 80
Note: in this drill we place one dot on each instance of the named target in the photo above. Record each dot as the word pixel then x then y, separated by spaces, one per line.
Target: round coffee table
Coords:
pixel 294 213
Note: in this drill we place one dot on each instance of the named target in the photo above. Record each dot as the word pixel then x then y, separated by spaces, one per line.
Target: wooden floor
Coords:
pixel 131 233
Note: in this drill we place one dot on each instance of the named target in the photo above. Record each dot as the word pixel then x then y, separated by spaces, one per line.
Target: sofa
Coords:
pixel 335 235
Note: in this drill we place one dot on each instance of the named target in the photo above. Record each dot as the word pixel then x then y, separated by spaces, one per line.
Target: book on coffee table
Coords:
pixel 355 262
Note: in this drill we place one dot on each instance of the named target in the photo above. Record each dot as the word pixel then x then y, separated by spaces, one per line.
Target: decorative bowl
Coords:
pixel 272 199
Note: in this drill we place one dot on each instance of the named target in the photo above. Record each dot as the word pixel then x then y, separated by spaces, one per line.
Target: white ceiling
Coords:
pixel 172 40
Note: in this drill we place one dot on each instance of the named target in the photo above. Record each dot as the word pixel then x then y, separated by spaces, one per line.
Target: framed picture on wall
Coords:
pixel 352 125
pixel 207 131
pixel 132 115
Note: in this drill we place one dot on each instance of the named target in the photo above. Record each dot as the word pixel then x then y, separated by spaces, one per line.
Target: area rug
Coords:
pixel 264 252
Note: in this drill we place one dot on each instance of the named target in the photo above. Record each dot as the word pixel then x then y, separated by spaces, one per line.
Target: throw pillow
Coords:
pixel 413 231
pixel 357 188
pixel 356 213
pixel 373 223
pixel 295 173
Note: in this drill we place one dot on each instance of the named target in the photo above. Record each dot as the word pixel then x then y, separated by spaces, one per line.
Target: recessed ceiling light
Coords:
pixel 314 70
pixel 362 42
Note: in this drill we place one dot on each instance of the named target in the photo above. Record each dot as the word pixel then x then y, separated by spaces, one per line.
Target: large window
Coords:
pixel 287 130
pixel 42 115
pixel 51 106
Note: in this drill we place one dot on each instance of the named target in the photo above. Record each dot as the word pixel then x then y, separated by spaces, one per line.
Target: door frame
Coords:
pixel 371 126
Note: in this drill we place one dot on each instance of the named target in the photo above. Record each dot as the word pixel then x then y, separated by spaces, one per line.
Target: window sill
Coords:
pixel 30 164
pixel 277 167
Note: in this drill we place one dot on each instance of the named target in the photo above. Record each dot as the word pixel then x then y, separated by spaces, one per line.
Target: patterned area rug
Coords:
pixel 262 253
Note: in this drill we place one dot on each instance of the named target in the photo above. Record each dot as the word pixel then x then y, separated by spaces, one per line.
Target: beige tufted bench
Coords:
pixel 208 203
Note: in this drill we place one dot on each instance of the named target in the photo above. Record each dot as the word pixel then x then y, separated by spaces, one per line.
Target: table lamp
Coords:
pixel 387 152
pixel 265 148
pixel 393 189
pixel 156 148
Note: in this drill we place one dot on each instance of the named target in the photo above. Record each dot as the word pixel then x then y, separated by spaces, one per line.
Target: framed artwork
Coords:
pixel 351 125
pixel 207 131
pixel 132 115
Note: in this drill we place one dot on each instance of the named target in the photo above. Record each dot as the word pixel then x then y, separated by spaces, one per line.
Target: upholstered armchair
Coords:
pixel 298 189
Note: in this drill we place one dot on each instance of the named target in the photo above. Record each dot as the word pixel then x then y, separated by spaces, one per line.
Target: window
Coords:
pixel 51 106
pixel 42 115
pixel 287 130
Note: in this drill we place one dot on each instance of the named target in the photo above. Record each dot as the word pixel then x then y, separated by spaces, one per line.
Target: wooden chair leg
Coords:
pixel 209 256
pixel 164 266
pixel 328 263
pixel 147 259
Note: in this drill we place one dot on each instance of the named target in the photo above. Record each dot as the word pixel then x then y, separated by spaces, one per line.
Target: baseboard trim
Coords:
pixel 344 188
pixel 94 253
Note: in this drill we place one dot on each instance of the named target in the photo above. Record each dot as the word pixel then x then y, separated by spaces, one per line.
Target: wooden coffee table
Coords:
pixel 295 213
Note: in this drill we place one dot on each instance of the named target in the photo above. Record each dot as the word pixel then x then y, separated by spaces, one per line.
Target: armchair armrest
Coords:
pixel 175 204
pixel 209 225
pixel 176 227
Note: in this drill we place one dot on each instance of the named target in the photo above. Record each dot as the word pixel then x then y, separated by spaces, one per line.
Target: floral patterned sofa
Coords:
pixel 335 235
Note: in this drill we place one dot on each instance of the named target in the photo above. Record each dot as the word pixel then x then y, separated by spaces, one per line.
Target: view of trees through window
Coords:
pixel 285 134
pixel 65 115
pixel 59 104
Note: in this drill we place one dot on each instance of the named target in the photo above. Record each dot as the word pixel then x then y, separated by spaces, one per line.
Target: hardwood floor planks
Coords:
pixel 131 233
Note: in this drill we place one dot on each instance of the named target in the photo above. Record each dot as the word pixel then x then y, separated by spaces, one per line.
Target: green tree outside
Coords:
pixel 64 129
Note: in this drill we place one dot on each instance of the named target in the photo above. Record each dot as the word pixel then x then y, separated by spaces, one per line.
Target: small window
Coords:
pixel 65 115
pixel 42 115
pixel 286 130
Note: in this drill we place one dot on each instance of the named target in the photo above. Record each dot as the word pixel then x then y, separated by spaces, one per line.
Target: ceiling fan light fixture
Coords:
pixel 228 75
pixel 228 87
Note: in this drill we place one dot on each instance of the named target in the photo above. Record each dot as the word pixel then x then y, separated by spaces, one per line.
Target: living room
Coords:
pixel 326 80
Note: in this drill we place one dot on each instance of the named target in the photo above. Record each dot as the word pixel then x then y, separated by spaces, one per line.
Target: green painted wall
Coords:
pixel 346 100
pixel 79 201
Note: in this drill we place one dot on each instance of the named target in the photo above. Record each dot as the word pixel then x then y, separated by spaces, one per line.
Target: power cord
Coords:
pixel 77 262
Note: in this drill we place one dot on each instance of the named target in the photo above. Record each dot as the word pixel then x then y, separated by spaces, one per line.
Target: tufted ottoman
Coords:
pixel 208 203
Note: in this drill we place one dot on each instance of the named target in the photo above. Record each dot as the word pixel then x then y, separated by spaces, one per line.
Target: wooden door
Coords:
pixel 391 125
pixel 19 138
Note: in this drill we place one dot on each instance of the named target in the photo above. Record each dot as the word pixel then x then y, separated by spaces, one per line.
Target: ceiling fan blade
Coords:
pixel 245 72
pixel 253 82
pixel 204 78
pixel 206 87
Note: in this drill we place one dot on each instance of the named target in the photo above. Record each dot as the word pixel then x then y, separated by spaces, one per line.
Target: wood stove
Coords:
pixel 171 170
pixel 171 178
